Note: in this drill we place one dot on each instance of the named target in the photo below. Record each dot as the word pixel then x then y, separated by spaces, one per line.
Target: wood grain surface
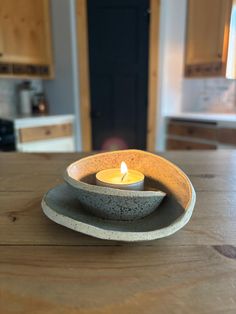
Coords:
pixel 45 268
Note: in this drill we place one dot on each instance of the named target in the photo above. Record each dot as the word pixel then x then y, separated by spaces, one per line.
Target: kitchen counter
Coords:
pixel 43 133
pixel 46 268
pixel 208 117
pixel 39 120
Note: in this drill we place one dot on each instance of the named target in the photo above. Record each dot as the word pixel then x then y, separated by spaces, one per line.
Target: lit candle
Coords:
pixel 121 178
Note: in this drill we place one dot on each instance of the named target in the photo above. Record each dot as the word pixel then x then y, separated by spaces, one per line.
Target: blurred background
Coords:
pixel 82 75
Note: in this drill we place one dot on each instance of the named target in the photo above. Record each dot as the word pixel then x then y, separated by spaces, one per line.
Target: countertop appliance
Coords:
pixel 7 135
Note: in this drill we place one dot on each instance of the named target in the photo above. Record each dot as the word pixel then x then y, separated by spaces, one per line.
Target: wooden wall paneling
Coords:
pixel 83 61
pixel 153 73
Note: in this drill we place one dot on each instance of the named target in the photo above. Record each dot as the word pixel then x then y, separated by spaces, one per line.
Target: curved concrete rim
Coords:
pixel 105 190
pixel 125 236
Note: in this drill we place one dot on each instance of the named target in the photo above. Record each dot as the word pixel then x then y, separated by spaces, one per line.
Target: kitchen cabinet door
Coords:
pixel 25 42
pixel 207 33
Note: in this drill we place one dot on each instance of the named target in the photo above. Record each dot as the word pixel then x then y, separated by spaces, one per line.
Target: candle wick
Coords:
pixel 123 176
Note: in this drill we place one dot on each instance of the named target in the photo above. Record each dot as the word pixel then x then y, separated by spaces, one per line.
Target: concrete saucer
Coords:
pixel 61 205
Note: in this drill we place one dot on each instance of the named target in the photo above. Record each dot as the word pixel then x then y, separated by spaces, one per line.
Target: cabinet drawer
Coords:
pixel 196 130
pixel 227 136
pixel 45 132
pixel 174 144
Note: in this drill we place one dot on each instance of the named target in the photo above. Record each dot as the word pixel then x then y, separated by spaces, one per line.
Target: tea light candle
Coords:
pixel 123 178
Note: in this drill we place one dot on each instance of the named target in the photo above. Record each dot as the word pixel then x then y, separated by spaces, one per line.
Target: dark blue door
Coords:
pixel 118 57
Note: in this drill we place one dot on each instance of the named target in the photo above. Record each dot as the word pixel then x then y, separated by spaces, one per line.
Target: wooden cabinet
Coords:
pixel 45 134
pixel 175 144
pixel 184 134
pixel 189 135
pixel 25 42
pixel 207 37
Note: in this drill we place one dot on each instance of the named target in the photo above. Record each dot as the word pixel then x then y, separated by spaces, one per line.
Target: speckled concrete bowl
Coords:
pixel 161 178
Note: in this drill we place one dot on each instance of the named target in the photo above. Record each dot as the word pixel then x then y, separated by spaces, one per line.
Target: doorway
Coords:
pixel 121 103
pixel 118 32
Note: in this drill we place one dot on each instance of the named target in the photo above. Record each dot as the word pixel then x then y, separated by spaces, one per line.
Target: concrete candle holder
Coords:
pixel 161 176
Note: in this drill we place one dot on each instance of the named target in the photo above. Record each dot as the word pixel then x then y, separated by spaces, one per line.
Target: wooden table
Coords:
pixel 45 268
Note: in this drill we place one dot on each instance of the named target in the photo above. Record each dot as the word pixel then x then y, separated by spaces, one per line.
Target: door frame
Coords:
pixel 83 70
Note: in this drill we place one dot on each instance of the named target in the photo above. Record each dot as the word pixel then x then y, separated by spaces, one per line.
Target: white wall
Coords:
pixel 8 98
pixel 60 89
pixel 171 62
pixel 63 91
pixel 172 45
pixel 9 95
pixel 214 95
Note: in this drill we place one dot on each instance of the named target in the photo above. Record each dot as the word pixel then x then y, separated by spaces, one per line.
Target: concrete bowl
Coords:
pixel 161 178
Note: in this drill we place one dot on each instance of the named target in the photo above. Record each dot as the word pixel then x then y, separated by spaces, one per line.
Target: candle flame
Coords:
pixel 123 168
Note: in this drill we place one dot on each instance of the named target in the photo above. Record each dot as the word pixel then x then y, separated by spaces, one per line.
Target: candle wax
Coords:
pixel 114 176
pixel 133 179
